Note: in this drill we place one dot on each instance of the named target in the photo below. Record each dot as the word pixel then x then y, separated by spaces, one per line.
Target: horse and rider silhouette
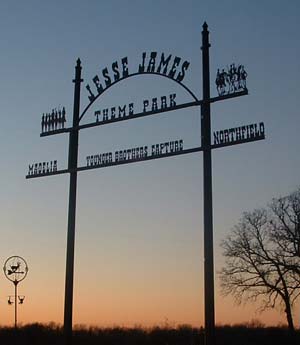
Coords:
pixel 231 81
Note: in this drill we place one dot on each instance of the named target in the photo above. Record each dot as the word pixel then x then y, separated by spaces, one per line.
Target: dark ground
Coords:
pixel 38 334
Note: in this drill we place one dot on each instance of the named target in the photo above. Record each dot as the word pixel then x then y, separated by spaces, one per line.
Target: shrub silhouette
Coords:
pixel 244 334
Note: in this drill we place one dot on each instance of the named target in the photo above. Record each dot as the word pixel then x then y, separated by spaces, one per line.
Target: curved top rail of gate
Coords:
pixel 95 97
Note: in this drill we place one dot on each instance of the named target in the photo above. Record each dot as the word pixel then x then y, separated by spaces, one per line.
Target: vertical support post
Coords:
pixel 207 191
pixel 72 166
pixel 16 294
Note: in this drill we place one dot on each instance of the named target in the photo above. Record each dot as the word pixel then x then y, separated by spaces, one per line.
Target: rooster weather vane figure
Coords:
pixel 232 80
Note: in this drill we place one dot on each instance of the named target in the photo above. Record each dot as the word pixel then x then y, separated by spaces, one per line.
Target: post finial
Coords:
pixel 78 72
pixel 205 26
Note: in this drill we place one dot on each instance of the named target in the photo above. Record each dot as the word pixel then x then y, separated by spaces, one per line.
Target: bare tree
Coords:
pixel 262 257
pixel 285 226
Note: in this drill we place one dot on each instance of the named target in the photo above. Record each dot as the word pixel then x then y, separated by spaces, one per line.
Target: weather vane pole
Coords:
pixel 15 269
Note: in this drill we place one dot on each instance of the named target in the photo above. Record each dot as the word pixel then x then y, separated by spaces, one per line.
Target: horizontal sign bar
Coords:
pixel 56 131
pixel 115 163
pixel 139 115
pixel 243 141
pixel 228 96
pixel 123 118
pixel 42 167
pixel 107 158
pixel 145 113
pixel 50 173
pixel 137 152
pixel 239 135
pixel 147 158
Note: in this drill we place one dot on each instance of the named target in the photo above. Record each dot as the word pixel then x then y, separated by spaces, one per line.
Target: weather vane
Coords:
pixel 15 269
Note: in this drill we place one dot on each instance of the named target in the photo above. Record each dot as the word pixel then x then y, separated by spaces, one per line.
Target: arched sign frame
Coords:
pixel 134 75
pixel 223 138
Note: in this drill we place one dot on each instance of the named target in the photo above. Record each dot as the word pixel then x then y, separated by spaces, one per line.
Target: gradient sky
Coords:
pixel 139 230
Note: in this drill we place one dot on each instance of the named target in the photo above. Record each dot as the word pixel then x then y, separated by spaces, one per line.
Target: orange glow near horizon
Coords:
pixel 132 307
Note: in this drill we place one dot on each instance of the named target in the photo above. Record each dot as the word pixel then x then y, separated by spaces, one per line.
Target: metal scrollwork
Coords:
pixel 232 80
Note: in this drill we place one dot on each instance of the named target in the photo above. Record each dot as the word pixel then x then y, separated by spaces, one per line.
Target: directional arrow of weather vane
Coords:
pixel 230 83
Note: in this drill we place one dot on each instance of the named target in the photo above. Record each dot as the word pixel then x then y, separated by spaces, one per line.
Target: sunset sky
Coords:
pixel 139 227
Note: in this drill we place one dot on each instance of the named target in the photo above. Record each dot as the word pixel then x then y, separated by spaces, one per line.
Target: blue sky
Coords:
pixel 139 234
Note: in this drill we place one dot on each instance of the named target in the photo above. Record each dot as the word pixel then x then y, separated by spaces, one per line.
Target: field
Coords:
pixel 51 334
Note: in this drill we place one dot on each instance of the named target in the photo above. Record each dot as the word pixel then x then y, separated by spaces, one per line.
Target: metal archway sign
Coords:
pixel 230 84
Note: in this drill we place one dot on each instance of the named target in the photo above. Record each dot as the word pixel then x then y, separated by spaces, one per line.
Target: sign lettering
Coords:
pixel 156 103
pixel 136 153
pixel 232 135
pixel 172 67
pixel 42 168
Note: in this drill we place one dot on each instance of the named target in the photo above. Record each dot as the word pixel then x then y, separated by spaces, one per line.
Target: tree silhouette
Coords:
pixel 262 256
